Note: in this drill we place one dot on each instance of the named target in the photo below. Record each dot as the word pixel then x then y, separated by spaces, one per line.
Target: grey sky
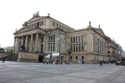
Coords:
pixel 110 14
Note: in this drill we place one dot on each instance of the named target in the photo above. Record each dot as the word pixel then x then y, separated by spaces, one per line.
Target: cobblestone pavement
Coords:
pixel 15 72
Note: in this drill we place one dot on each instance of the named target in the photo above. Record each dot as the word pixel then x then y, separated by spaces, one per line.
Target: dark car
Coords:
pixel 120 63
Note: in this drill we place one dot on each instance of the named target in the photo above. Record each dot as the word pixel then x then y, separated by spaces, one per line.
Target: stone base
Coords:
pixel 27 57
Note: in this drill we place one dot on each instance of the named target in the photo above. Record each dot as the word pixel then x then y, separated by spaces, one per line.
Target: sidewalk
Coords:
pixel 12 72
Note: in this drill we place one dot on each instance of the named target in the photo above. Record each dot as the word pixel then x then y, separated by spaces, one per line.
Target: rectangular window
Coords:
pixel 53 23
pixel 42 39
pixel 42 23
pixel 73 47
pixel 80 39
pixel 38 24
pixel 49 38
pixel 76 48
pixel 53 46
pixel 51 43
pixel 61 57
pixel 82 57
pixel 71 57
pixel 79 48
pixel 57 24
pixel 76 39
pixel 82 48
pixel 54 38
pixel 49 47
pixel 71 39
pixel 76 57
pixel 108 51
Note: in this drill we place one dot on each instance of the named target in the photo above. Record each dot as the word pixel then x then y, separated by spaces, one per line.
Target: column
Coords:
pixel 26 42
pixel 22 41
pixel 16 45
pixel 36 44
pixel 31 44
pixel 45 47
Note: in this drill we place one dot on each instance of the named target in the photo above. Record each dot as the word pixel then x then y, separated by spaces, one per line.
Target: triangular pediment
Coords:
pixel 100 31
pixel 27 29
pixel 37 18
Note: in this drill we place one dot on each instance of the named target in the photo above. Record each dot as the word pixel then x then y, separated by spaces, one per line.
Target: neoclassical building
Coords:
pixel 43 35
pixel 114 50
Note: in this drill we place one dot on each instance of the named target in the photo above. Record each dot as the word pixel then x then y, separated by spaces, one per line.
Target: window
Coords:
pixel 53 24
pixel 71 57
pixel 78 39
pixel 57 24
pixel 52 38
pixel 76 57
pixel 77 44
pixel 41 23
pixel 76 48
pixel 82 48
pixel 79 48
pixel 61 57
pixel 71 39
pixel 71 48
pixel 42 38
pixel 74 39
pixel 82 57
pixel 37 24
pixel 51 46
pixel 108 51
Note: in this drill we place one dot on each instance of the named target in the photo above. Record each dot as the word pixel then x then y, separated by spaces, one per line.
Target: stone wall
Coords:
pixel 27 57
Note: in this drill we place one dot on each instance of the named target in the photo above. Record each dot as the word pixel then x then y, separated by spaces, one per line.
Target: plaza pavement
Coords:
pixel 17 72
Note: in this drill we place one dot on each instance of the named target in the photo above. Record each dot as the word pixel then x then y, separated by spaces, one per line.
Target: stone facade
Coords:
pixel 45 35
pixel 114 50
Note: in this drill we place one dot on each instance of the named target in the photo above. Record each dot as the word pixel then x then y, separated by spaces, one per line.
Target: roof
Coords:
pixel 27 28
pixel 99 31
pixel 36 18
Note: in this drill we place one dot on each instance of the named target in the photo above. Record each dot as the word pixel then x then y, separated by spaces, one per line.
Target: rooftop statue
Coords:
pixel 36 14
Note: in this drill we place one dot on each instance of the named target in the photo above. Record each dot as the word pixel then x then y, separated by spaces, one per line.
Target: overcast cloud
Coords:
pixel 110 14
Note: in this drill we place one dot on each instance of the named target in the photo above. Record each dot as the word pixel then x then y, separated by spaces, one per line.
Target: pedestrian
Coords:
pixel 47 62
pixel 100 63
pixel 3 59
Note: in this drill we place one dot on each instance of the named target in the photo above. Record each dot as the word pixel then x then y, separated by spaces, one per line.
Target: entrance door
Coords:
pixel 41 57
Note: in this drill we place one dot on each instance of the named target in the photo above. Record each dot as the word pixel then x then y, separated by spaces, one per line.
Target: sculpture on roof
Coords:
pixel 90 26
pixel 99 26
pixel 48 14
pixel 25 24
pixel 36 14
pixel 89 23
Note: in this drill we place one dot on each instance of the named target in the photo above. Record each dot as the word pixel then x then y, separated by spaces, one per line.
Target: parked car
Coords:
pixel 120 62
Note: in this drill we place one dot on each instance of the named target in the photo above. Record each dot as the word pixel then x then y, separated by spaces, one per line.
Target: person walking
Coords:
pixel 3 59
pixel 100 63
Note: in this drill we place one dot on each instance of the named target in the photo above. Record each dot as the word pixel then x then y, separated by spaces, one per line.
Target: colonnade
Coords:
pixel 29 41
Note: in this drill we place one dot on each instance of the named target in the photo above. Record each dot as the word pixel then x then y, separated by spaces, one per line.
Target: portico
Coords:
pixel 30 41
